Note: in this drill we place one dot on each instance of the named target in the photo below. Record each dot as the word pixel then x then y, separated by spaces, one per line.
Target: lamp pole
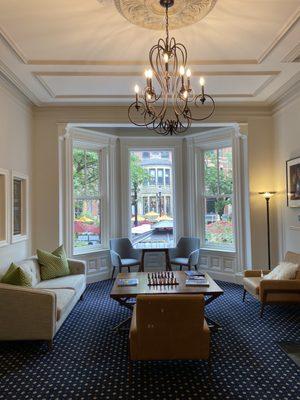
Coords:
pixel 267 196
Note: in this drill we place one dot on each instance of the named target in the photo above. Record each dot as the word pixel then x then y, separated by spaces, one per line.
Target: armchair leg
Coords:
pixel 82 297
pixel 113 272
pixel 180 267
pixel 244 295
pixel 262 307
pixel 128 269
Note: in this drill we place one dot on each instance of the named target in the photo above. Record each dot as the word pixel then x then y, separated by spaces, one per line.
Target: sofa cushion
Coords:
pixel 54 264
pixel 285 270
pixel 63 299
pixel 32 268
pixel 75 282
pixel 16 276
pixel 251 284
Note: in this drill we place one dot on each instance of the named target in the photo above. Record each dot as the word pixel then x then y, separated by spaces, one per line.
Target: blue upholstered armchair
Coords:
pixel 186 254
pixel 123 254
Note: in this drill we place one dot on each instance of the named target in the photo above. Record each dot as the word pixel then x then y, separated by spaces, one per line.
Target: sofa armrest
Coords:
pixel 252 273
pixel 26 313
pixel 278 286
pixel 77 266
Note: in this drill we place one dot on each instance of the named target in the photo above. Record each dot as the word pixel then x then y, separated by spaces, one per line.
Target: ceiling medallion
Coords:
pixel 149 14
pixel 164 105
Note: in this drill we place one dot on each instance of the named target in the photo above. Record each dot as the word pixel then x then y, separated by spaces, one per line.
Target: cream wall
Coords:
pixel 16 127
pixel 287 145
pixel 46 206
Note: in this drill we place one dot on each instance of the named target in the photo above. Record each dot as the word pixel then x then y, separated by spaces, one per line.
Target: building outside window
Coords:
pixel 152 194
pixel 217 199
pixel 86 200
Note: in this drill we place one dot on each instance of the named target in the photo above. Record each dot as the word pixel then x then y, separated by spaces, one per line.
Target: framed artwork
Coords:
pixel 293 182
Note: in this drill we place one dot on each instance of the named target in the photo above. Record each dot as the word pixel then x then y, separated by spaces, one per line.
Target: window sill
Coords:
pixel 86 252
pixel 218 250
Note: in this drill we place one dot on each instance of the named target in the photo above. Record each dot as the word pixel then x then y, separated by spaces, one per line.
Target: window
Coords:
pixel 151 215
pixel 152 179
pixel 19 207
pixel 160 176
pixel 217 199
pixel 167 177
pixel 87 200
pixel 146 155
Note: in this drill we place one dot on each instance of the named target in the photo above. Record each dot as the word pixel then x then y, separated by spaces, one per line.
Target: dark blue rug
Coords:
pixel 90 362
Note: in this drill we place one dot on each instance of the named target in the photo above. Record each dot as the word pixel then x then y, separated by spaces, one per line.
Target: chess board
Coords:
pixel 164 278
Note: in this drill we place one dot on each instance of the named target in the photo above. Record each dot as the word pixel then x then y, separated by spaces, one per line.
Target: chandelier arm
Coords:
pixel 207 115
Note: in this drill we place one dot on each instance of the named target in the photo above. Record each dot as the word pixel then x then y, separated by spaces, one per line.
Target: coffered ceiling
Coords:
pixel 86 52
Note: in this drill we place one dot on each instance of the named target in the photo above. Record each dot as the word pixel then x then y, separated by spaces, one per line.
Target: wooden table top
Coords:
pixel 143 288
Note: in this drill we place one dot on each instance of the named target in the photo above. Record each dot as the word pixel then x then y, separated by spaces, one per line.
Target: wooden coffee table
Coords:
pixel 126 294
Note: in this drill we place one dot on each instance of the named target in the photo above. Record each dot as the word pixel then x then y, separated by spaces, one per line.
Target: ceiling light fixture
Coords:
pixel 165 103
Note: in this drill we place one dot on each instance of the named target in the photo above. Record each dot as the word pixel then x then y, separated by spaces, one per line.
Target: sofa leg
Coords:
pixel 262 307
pixel 50 344
pixel 244 295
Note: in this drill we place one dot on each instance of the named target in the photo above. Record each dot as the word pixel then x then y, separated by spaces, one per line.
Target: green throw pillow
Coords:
pixel 16 276
pixel 53 265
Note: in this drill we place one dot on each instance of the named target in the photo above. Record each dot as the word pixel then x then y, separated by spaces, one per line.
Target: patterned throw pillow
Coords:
pixel 53 265
pixel 16 276
pixel 285 270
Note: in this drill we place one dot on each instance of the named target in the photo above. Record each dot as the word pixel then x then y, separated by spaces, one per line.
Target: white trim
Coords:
pixel 68 137
pixel 7 205
pixel 24 207
pixel 241 209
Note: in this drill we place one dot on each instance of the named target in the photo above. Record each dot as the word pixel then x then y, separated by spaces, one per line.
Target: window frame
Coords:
pixel 175 179
pixel 92 147
pixel 201 196
pixel 4 240
pixel 204 196
pixel 15 238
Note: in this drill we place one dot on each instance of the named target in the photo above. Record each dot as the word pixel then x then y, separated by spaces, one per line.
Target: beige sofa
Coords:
pixel 37 313
pixel 273 291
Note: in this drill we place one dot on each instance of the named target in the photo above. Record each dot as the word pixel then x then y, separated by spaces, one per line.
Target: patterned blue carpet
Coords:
pixel 90 362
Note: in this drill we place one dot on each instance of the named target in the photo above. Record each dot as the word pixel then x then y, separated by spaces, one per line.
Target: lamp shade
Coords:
pixel 267 195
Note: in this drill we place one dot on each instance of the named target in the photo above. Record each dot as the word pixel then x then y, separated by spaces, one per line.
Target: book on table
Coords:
pixel 192 274
pixel 197 282
pixel 128 282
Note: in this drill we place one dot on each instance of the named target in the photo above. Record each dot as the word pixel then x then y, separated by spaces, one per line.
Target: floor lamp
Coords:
pixel 267 196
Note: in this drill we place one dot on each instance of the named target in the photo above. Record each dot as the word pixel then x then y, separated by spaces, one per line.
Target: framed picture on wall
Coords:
pixel 293 182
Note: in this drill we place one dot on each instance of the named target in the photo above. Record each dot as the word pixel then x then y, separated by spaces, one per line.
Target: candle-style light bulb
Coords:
pixel 182 70
pixel 185 94
pixel 188 73
pixel 166 58
pixel 150 73
pixel 202 83
pixel 136 89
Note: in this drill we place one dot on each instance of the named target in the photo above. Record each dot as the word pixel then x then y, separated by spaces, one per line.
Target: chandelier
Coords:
pixel 168 104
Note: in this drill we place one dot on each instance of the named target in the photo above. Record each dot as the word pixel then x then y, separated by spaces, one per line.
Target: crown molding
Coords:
pixel 289 95
pixel 13 80
pixel 281 34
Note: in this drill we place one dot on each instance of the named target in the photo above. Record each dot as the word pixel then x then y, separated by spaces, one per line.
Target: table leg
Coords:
pixel 213 325
pixel 120 326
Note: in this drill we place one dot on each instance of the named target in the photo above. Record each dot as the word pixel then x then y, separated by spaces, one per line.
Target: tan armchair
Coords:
pixel 168 327
pixel 273 291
